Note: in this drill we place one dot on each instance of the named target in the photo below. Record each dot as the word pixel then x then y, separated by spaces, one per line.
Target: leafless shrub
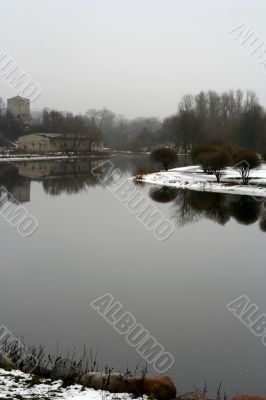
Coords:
pixel 164 155
pixel 245 161
pixel 214 162
pixel 144 169
pixel 200 149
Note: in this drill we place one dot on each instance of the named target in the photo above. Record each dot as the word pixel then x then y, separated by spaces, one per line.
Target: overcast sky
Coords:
pixel 135 57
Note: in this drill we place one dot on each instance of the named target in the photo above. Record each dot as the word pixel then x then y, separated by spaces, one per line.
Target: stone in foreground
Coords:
pixel 248 397
pixel 161 386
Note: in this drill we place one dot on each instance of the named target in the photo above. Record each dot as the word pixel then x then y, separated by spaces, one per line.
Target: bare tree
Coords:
pixel 216 161
pixel 2 106
pixel 72 143
pixel 165 156
pixel 245 161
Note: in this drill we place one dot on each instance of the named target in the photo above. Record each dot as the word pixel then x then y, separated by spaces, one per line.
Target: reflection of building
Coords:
pixel 18 187
pixel 41 169
pixel 35 169
pixel 57 142
pixel 21 191
pixel 19 107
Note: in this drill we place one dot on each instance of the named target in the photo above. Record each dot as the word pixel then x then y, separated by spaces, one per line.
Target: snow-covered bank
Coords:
pixel 17 385
pixel 36 157
pixel 193 178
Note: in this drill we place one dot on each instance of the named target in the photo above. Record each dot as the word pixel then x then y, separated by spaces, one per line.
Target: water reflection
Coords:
pixel 15 184
pixel 186 206
pixel 245 210
pixel 61 176
pixel 163 194
pixel 183 303
pixel 57 177
pixel 189 207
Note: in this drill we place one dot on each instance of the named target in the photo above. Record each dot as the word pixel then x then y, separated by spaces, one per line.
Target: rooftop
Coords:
pixel 18 98
pixel 52 135
pixel 62 135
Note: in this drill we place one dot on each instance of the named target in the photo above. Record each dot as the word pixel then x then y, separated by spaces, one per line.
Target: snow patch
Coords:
pixel 16 385
pixel 193 178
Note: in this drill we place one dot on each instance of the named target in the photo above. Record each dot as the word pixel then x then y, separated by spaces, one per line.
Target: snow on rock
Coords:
pixel 18 385
pixel 193 178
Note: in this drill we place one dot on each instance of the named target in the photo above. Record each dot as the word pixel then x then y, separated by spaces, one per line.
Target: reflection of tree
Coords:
pixel 212 205
pixel 163 194
pixel 139 183
pixel 183 211
pixel 73 177
pixel 69 184
pixel 245 210
pixel 263 220
pixel 9 177
pixel 190 206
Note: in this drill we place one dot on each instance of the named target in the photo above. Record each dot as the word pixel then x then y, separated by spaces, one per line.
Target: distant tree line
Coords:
pixel 120 133
pixel 207 117
pixel 210 117
pixel 232 116
pixel 49 121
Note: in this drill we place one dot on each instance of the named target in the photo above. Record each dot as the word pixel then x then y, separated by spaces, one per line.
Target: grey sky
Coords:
pixel 135 57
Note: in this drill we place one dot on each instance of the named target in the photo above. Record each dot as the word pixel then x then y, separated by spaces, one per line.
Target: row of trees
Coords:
pixel 214 158
pixel 120 133
pixel 210 117
pixel 65 122
pixel 51 121
pixel 232 116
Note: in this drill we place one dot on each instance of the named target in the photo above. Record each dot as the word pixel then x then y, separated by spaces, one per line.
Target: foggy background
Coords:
pixel 133 57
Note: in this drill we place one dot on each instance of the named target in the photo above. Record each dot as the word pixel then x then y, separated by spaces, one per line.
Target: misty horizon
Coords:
pixel 136 59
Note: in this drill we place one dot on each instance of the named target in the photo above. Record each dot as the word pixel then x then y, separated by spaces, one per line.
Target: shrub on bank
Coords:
pixel 144 170
pixel 214 158
pixel 263 155
pixel 245 161
pixel 164 155
pixel 200 149
pixel 214 162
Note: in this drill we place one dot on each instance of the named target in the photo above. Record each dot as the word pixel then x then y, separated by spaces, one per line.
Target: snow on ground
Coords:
pixel 36 157
pixel 193 178
pixel 17 385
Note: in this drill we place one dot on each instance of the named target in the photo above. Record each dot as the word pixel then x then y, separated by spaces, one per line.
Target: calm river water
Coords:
pixel 88 244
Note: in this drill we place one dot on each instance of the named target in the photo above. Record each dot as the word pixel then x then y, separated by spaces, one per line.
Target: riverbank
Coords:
pixel 18 385
pixel 37 157
pixel 193 178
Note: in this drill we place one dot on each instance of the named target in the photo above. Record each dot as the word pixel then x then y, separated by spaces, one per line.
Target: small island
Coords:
pixel 223 168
